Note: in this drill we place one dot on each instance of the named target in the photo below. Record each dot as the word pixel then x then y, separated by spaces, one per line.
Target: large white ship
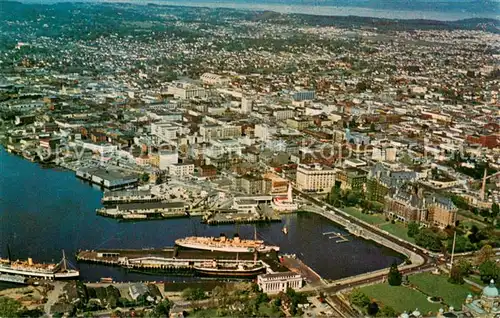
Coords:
pixel 224 244
pixel 39 271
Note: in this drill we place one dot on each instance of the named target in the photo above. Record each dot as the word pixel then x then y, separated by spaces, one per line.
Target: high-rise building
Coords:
pixel 246 105
pixel 304 95
pixel 316 178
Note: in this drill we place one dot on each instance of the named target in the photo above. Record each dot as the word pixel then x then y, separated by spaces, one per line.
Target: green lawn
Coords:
pixel 399 230
pixel 476 279
pixel 400 298
pixel 438 285
pixel 204 313
pixel 470 222
pixel 368 218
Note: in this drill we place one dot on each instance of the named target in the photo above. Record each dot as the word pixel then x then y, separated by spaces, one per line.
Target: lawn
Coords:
pixel 438 285
pixel 368 218
pixel 399 230
pixel 476 279
pixel 204 313
pixel 400 298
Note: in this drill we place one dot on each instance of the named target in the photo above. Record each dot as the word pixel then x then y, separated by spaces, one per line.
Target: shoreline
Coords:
pixel 316 9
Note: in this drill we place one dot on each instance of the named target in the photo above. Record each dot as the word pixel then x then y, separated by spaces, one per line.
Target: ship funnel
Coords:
pixel 30 261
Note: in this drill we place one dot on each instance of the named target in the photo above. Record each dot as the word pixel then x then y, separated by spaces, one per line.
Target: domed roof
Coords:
pixel 490 290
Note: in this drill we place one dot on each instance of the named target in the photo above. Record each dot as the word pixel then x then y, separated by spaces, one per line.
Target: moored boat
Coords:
pixel 31 269
pixel 224 244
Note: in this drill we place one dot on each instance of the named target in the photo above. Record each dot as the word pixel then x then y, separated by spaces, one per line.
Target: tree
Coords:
pixel 489 270
pixel 462 244
pixel 495 209
pixel 162 309
pixel 372 309
pixel 413 229
pixel 145 177
pixel 358 298
pixel 395 278
pixel 485 254
pixel 387 311
pixel 456 275
pixel 428 239
pixel 193 294
pixel 9 307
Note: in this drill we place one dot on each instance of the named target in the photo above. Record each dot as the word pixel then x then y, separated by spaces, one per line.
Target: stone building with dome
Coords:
pixel 488 305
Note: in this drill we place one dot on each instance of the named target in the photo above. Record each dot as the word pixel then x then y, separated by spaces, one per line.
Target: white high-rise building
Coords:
pixel 246 105
pixel 165 131
pixel 315 178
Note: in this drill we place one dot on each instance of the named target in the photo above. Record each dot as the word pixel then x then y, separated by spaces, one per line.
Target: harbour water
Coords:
pixel 44 211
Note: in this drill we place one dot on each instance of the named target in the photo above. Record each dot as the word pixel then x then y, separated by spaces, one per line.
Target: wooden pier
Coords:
pixel 341 238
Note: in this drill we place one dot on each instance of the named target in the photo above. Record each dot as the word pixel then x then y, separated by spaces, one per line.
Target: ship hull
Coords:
pixel 230 272
pixel 40 275
pixel 230 249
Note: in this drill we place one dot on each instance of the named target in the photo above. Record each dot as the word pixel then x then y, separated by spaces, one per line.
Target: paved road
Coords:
pixel 53 296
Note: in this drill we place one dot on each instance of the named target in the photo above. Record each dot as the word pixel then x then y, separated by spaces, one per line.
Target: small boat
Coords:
pixel 106 280
pixel 285 230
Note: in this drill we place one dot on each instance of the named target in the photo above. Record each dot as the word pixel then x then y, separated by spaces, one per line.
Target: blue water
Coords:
pixel 44 211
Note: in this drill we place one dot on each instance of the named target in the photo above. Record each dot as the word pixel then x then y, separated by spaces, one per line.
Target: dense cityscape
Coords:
pixel 312 144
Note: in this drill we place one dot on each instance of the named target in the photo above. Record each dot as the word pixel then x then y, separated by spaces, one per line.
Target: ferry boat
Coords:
pixel 38 270
pixel 224 244
pixel 230 270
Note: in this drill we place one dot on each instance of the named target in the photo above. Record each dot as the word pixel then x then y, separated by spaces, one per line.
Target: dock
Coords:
pixel 146 210
pixel 17 279
pixel 175 260
pixel 341 238
pixel 121 197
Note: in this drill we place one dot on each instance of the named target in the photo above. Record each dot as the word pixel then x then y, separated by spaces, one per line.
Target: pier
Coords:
pixel 341 238
pixel 17 279
pixel 177 260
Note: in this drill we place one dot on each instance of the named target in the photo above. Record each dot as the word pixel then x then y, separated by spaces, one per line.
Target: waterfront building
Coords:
pixel 108 178
pixel 50 143
pixel 285 204
pixel 253 184
pixel 315 178
pixel 279 282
